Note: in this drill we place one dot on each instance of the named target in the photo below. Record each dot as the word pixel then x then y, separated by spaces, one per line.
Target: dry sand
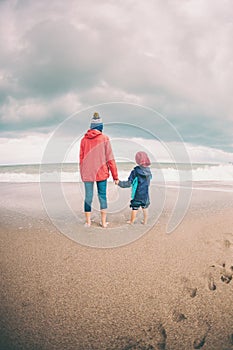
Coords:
pixel 159 292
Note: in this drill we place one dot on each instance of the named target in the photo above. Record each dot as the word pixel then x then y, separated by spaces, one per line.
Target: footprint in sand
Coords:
pixel 226 274
pixel 211 283
pixel 227 243
pixel 156 337
pixel 199 342
pixel 191 291
pixel 151 338
pixel 178 316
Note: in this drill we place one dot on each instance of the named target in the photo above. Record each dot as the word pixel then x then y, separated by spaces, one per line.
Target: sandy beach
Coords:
pixel 162 291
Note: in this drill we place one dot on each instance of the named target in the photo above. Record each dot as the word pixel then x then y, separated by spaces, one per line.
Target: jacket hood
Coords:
pixel 142 159
pixel 143 171
pixel 91 133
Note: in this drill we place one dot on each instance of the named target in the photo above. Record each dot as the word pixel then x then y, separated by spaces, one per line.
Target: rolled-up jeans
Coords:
pixel 101 188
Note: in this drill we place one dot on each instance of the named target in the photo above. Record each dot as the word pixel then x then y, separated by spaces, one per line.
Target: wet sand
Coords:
pixel 160 292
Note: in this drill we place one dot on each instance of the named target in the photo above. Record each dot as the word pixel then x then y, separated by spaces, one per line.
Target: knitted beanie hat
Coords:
pixel 142 159
pixel 96 122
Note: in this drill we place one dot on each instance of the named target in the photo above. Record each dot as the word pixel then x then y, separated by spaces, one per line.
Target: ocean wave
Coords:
pixel 220 173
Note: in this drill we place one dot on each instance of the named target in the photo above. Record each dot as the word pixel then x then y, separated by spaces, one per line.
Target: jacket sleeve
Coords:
pixel 81 157
pixel 124 184
pixel 81 153
pixel 110 160
pixel 128 183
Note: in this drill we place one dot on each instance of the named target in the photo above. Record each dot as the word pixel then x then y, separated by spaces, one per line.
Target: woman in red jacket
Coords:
pixel 96 159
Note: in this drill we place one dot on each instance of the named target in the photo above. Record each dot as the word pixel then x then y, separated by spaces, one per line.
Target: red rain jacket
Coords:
pixel 96 157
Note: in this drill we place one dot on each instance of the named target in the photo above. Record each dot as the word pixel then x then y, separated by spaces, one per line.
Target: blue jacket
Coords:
pixel 139 179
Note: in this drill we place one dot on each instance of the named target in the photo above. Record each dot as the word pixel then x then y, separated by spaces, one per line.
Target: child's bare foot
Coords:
pixel 87 224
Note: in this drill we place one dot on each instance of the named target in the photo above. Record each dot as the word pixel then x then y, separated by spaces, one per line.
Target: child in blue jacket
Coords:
pixel 139 180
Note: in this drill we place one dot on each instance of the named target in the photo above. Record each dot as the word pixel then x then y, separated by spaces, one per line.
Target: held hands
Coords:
pixel 116 182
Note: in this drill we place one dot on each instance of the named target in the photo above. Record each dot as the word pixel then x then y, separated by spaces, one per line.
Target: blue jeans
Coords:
pixel 101 187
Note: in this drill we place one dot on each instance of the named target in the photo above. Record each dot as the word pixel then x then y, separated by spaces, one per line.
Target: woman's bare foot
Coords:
pixel 105 225
pixel 130 222
pixel 88 219
pixel 143 222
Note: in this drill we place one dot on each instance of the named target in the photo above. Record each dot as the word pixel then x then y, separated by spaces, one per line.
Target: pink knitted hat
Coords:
pixel 142 159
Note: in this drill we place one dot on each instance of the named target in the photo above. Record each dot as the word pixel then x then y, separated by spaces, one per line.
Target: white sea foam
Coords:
pixel 220 173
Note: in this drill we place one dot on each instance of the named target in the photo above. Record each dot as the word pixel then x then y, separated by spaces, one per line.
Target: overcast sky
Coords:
pixel 59 57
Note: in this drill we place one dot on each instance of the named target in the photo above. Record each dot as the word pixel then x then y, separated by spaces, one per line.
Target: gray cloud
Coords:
pixel 173 56
pixel 58 59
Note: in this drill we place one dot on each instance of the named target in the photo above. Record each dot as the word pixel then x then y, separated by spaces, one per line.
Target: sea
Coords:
pixel 161 172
